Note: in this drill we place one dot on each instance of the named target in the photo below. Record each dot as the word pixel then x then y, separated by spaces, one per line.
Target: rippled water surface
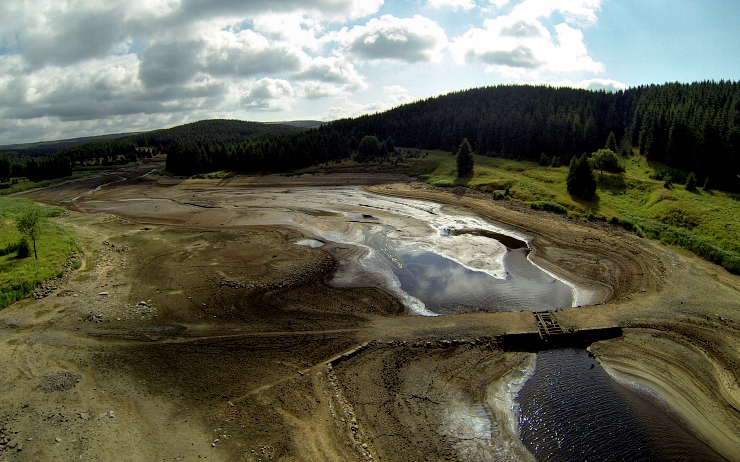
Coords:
pixel 571 410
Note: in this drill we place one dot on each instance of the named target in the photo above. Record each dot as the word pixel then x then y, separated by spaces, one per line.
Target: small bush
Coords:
pixel 667 181
pixel 606 160
pixel 549 207
pixel 499 194
pixel 23 249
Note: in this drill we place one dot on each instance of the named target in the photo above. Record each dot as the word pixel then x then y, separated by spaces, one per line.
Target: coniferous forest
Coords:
pixel 689 128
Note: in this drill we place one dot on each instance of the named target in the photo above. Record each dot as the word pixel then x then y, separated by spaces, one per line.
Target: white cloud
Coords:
pixel 518 44
pixel 395 95
pixel 401 39
pixel 454 4
pixel 608 85
pixel 90 66
pixel 266 95
pixel 498 3
pixel 296 28
pixel 335 70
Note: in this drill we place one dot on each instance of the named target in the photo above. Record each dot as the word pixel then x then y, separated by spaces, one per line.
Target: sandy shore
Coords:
pixel 191 315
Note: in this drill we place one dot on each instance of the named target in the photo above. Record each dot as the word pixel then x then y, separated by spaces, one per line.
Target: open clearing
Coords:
pixel 189 333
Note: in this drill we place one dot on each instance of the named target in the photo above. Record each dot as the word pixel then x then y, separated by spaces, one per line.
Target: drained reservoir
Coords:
pixel 437 261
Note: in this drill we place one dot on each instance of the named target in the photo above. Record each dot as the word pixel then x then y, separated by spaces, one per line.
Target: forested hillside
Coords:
pixel 692 127
pixel 39 162
pixel 686 127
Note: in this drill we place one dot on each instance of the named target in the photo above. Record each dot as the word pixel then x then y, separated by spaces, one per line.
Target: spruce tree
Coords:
pixel 580 181
pixel 464 160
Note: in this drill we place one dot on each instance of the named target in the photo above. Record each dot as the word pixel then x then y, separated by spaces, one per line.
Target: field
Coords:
pixel 18 277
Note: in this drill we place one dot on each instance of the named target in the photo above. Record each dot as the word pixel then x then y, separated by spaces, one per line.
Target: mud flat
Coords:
pixel 199 314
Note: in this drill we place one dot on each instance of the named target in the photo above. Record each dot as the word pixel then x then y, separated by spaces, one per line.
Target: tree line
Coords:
pixel 685 127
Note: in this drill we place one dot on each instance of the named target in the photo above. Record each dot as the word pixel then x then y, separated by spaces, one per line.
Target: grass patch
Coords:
pixel 19 276
pixel 706 223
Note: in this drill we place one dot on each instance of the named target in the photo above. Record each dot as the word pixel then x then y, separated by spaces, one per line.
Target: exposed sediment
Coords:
pixel 230 351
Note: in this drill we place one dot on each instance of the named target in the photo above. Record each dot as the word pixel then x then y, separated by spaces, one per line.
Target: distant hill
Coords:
pixel 40 148
pixel 215 131
pixel 302 123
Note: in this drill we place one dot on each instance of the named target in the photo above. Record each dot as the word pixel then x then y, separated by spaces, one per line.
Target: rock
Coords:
pixel 58 440
pixel 83 416
pixel 110 414
pixel 60 381
pixel 103 294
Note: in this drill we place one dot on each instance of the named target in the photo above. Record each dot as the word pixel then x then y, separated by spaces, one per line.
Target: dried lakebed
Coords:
pixel 437 260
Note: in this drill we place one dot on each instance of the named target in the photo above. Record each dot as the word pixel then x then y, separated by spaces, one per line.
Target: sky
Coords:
pixel 71 68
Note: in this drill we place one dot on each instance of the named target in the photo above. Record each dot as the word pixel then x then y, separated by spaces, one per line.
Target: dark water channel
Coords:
pixel 571 410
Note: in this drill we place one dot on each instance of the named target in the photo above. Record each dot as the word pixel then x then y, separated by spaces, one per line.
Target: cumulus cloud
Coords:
pixel 90 66
pixel 266 95
pixel 394 95
pixel 332 9
pixel 454 4
pixel 608 85
pixel 334 74
pixel 519 43
pixel 401 39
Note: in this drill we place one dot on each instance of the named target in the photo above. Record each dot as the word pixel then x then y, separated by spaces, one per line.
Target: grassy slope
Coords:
pixel 18 277
pixel 711 217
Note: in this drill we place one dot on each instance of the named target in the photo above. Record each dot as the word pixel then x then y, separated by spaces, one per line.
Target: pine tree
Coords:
pixel 611 142
pixel 464 160
pixel 580 181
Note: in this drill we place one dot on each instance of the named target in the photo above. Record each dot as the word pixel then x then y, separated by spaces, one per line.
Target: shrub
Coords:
pixel 23 248
pixel 549 207
pixel 500 194
pixel 606 160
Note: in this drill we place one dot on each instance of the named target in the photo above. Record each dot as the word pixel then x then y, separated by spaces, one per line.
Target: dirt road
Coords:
pixel 187 335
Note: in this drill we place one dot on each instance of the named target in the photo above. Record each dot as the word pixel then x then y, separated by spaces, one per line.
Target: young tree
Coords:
pixel 369 149
pixel 691 182
pixel 31 223
pixel 611 142
pixel 464 160
pixel 580 181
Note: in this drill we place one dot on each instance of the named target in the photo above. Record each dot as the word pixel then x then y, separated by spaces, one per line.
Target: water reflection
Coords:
pixel 447 287
pixel 571 410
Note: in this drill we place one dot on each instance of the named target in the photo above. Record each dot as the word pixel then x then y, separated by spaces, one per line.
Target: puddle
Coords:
pixel 313 243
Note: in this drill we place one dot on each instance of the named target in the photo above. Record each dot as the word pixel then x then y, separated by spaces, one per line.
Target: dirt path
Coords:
pixel 183 338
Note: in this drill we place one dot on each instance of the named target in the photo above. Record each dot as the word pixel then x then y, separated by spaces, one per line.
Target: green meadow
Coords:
pixel 19 276
pixel 704 222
